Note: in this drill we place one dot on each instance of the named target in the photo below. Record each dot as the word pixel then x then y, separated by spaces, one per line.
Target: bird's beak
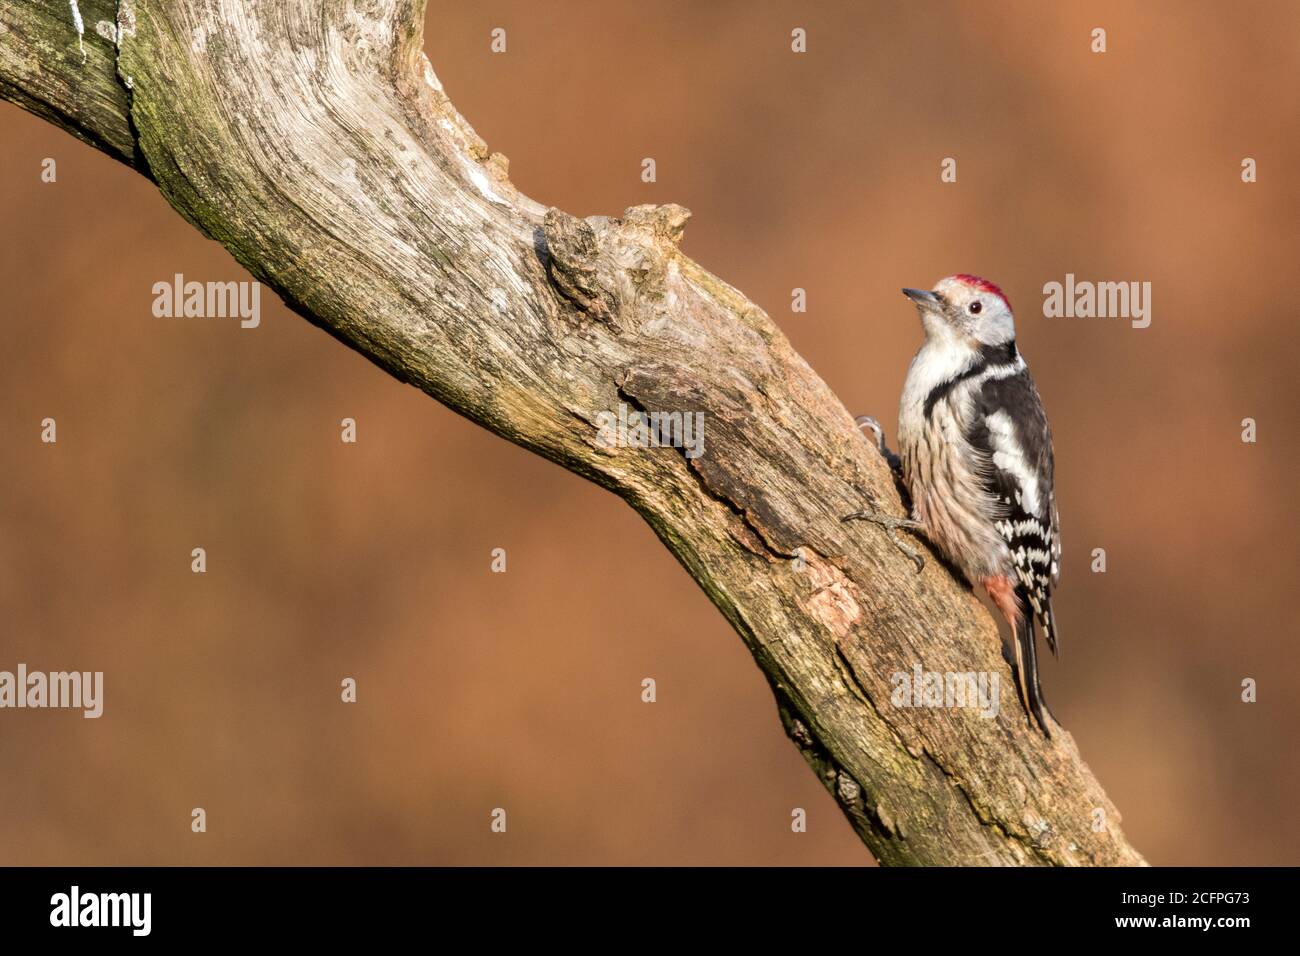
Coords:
pixel 922 297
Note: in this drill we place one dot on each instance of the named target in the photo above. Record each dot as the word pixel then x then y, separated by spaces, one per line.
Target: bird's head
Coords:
pixel 965 308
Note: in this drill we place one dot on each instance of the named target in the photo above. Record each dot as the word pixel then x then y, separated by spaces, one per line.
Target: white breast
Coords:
pixel 934 364
pixel 947 497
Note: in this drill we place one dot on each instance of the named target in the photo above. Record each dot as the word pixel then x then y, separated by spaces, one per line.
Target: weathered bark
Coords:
pixel 314 141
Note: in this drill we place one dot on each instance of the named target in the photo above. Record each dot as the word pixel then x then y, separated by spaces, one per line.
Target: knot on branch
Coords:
pixel 642 246
pixel 618 271
pixel 645 245
pixel 573 255
pixel 665 223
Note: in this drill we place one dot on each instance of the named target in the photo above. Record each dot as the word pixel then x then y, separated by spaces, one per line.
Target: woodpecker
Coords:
pixel 975 454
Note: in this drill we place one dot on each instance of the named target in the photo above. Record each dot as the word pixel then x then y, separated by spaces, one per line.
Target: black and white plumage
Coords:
pixel 1009 429
pixel 976 454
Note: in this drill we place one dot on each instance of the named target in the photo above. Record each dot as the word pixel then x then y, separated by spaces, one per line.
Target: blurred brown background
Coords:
pixel 521 690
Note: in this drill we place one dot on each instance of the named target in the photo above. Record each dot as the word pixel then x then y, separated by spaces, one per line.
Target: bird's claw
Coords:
pixel 891 524
pixel 866 421
pixel 878 432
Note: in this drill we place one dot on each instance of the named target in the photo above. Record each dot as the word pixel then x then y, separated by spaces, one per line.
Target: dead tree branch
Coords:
pixel 314 141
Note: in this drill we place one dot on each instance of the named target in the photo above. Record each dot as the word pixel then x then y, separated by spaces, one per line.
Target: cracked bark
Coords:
pixel 314 141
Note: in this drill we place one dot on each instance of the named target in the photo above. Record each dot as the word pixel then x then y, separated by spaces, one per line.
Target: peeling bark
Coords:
pixel 315 142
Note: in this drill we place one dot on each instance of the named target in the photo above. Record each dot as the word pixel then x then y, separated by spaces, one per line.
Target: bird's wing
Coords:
pixel 1008 431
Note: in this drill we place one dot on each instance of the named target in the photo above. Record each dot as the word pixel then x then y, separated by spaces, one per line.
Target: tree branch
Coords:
pixel 314 141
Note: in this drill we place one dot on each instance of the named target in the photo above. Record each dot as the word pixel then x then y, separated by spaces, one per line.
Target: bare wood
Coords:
pixel 315 142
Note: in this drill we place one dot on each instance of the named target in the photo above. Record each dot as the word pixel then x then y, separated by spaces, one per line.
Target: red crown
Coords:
pixel 984 285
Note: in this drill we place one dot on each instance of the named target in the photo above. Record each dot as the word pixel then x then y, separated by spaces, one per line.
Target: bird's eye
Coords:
pixel 975 307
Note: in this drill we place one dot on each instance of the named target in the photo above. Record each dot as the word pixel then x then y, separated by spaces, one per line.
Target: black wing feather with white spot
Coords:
pixel 1008 428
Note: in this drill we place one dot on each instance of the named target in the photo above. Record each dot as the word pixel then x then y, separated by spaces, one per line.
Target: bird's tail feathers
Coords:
pixel 1027 669
pixel 1048 624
